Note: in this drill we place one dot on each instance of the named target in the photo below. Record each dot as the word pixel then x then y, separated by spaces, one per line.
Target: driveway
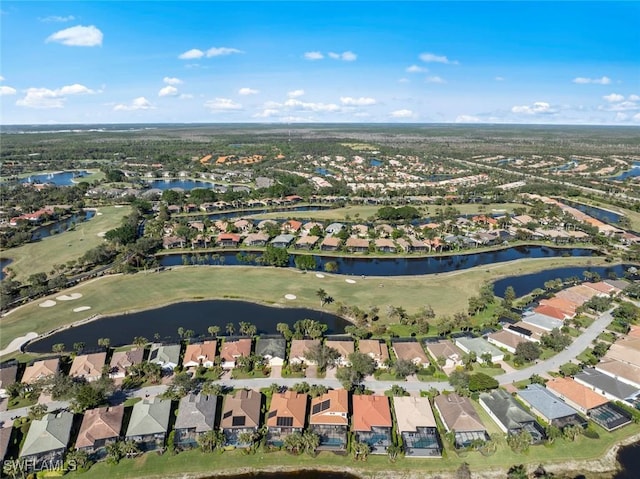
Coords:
pixel 276 372
pixel 311 372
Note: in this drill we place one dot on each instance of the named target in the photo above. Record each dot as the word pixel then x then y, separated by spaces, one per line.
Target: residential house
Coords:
pixel 121 361
pixel 5 440
pixel 505 340
pixel 410 351
pixel 100 426
pixel 385 245
pixel 88 366
pixel 542 321
pixel 256 239
pixel 8 376
pixel 384 230
pixel 625 350
pixel 509 415
pixel 460 418
pixel 167 356
pixel 376 349
pixel 372 422
pixel 196 415
pixel 242 225
pixel 282 241
pixel 627 373
pixel 334 228
pixel 345 347
pixel 480 347
pixel 287 414
pixel 232 350
pixel 361 231
pixel 330 243
pixel 171 242
pixel 445 350
pixel 273 350
pixel 306 242
pixel 330 419
pixel 307 227
pixel 264 224
pixel 40 370
pixel 553 312
pixel 417 426
pixel 299 348
pixel 611 388
pixel 526 331
pixel 240 414
pixel 291 226
pixel 47 441
pixel 357 245
pixel 549 407
pixel 228 240
pixel 200 354
pixel 149 423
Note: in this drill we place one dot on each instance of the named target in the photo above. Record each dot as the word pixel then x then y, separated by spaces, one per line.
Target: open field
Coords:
pixel 447 293
pixel 40 256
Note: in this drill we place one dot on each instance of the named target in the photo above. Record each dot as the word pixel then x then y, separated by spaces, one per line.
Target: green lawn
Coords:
pixel 447 293
pixel 40 256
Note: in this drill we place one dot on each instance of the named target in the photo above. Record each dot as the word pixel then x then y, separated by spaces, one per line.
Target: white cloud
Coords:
pixel 267 113
pixel 613 98
pixel 221 51
pixel 538 107
pixel 172 81
pixel 57 19
pixel 435 79
pixel 499 78
pixel 313 56
pixel 403 80
pixel 636 118
pixel 168 90
pixel 7 90
pixel 295 93
pixel 47 98
pixel 247 91
pixel 186 96
pixel 222 104
pixel 598 81
pixel 467 119
pixel 432 58
pixel 621 106
pixel 140 103
pixel 362 101
pixel 192 54
pixel 78 36
pixel 344 56
pixel 1 78
pixel 634 98
pixel 402 114
pixel 416 69
pixel 310 106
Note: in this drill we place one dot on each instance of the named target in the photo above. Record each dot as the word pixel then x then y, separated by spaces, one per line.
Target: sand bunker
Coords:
pixel 47 304
pixel 69 297
pixel 118 206
pixel 319 275
pixel 101 234
pixel 81 308
pixel 290 296
pixel 350 281
pixel 98 214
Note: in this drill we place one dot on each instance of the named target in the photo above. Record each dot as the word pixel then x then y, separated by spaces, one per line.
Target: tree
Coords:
pixel 87 397
pixel 572 432
pixel 527 351
pixel 459 380
pixel 209 441
pixel 322 295
pixel 273 256
pixel 78 347
pixel 463 472
pixel 58 348
pixel 283 328
pixel 114 452
pixel 130 448
pixel 360 450
pixel 552 432
pixel 181 384
pixel 393 451
pixel 519 442
pixel 517 472
pixel 37 411
pixel 509 297
pixel 230 329
pixel 323 355
pixel 482 382
pixel 555 340
pixel 403 368
pixel 309 328
pixel 78 460
pixel 140 341
pixel 213 330
pixel 104 342
pixel 248 329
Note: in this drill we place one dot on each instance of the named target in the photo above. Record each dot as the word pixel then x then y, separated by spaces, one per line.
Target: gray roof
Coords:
pixel 273 347
pixel 508 411
pixel 8 376
pixel 5 436
pixel 50 433
pixel 334 227
pixel 196 411
pixel 542 321
pixel 606 383
pixel 545 402
pixel 165 354
pixel 479 346
pixel 283 239
pixel 150 416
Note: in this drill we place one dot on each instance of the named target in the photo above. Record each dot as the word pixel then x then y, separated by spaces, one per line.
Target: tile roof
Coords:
pixel 548 310
pixel 40 369
pixel 374 348
pixel 88 365
pixel 332 408
pixel 506 339
pixel 149 416
pixel 234 349
pixel 576 393
pixel 345 348
pixel 457 413
pixel 410 350
pixel 289 404
pixel 8 376
pixel 243 404
pixel 542 321
pixel 370 411
pixel 272 347
pixel 50 433
pixel 620 370
pixel 122 360
pixel 205 351
pixel 445 349
pixel 300 346
pixel 5 437
pixel 413 412
pixel 98 424
pixel 626 350
pixel 196 411
pixel 506 409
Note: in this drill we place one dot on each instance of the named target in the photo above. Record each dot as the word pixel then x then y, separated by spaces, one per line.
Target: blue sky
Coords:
pixel 322 61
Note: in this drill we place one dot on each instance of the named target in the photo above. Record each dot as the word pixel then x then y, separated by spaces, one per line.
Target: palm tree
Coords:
pixel 58 348
pixel 322 295
pixel 79 459
pixel 213 330
pixel 294 443
pixel 211 440
pixel 140 341
pixel 104 342
pixel 37 411
pixel 211 388
pixel 361 451
pixel 230 328
pixel 393 452
pixel 130 448
pixel 310 441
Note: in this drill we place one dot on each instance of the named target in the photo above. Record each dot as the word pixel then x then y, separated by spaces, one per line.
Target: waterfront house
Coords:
pixel 417 426
pixel 480 347
pixel 626 350
pixel 330 243
pixel 121 361
pixel 542 321
pixel 100 426
pixel 149 423
pixel 385 245
pixel 299 348
pixel 330 419
pixel 505 340
pixel 256 239
pixel 196 415
pixel 232 350
pixel 47 441
pixel 8 376
pixel 344 346
pixel 273 350
pixel 287 414
pixel 40 370
pixel 549 407
pixel 445 351
pixel 88 366
pixel 627 373
pixel 200 354
pixel 240 414
pixel 610 387
pixel 372 422
pixel 460 418
pixel 334 228
pixel 376 349
pixel 227 240
pixel 291 226
pixel 509 415
pixel 282 241
pixel 167 356
pixel 357 245
pixel 410 351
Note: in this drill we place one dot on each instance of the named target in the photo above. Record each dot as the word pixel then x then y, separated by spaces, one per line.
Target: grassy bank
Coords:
pixel 447 293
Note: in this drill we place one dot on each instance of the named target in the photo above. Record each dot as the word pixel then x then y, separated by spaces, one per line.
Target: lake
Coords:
pixel 183 184
pixel 393 266
pixel 634 171
pixel 194 315
pixel 629 459
pixel 61 225
pixel 304 474
pixel 60 178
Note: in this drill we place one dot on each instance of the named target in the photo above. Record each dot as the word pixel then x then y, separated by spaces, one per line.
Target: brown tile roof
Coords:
pixel 40 369
pixel 576 392
pixel 384 243
pixel 620 370
pixel 244 403
pixel 300 346
pixel 5 437
pixel 233 349
pixel 88 365
pixel 100 423
pixel 332 241
pixel 601 287
pixel 445 349
pixel 370 411
pixel 507 339
pixel 122 360
pixel 562 304
pixel 457 413
pixel 345 348
pixel 357 243
pixel 308 240
pixel 205 351
pixel 634 331
pixel 374 348
pixel 411 351
pixel 288 404
pixel 8 376
pixel 336 410
pixel 228 237
pixel 626 350
pixel 577 294
pixel 551 311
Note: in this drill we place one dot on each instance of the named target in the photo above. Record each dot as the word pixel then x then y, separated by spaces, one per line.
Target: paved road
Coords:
pixel 6 417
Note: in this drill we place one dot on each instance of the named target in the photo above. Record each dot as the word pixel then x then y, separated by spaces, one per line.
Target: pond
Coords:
pixel 183 184
pixel 4 262
pixel 598 213
pixel 262 211
pixel 633 172
pixel 629 459
pixel 303 474
pixel 194 315
pixel 392 266
pixel 61 225
pixel 59 178
pixel 526 283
